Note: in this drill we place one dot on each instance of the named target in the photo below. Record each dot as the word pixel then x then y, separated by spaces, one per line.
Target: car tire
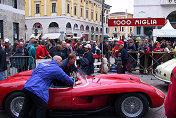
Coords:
pixel 14 103
pixel 131 105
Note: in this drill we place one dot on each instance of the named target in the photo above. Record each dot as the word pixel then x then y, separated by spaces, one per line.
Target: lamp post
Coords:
pixel 102 38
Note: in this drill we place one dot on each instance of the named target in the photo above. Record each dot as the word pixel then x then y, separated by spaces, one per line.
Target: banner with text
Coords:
pixel 137 22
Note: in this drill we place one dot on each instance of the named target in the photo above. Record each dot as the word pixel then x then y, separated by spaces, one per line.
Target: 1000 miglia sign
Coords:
pixel 137 22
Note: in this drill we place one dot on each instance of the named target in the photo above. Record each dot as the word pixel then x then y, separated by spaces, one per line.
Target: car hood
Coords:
pixel 168 66
pixel 114 78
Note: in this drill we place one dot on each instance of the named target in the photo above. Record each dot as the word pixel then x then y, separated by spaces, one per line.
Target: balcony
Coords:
pixel 168 2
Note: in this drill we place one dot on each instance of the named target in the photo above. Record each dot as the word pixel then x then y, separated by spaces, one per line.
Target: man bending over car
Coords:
pixel 36 88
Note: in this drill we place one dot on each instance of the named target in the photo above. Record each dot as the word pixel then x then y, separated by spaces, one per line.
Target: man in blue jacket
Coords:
pixel 36 89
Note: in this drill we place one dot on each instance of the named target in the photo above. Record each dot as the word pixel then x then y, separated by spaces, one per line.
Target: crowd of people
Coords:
pixel 125 52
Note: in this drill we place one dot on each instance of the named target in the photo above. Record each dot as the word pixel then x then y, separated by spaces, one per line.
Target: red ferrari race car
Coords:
pixel 126 93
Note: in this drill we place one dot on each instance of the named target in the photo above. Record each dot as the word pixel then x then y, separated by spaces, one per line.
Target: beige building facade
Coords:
pixel 121 32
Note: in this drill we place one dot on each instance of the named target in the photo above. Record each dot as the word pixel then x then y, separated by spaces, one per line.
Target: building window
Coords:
pixel 75 9
pixel 1 29
pixel 131 29
pixel 37 9
pixel 138 30
pixel 100 18
pixel 96 16
pixel 107 30
pixel 115 29
pixel 81 12
pixel 87 13
pixel 15 31
pixel 106 19
pixel 1 1
pixel 53 7
pixel 68 8
pixel 14 3
pixel 122 29
pixel 170 1
pixel 92 15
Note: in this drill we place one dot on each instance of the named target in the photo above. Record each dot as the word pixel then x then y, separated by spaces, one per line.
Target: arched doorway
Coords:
pixel 53 27
pixel 172 19
pixel 68 29
pixel 37 30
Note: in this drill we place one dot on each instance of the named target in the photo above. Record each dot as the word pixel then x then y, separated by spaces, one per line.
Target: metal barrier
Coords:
pixel 18 64
pixel 148 62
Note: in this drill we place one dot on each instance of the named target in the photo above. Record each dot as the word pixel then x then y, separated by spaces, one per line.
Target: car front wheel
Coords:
pixel 131 105
pixel 14 103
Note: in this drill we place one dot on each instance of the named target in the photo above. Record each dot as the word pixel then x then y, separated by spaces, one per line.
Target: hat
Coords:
pixel 87 46
pixel 158 45
pixel 120 42
pixel 6 40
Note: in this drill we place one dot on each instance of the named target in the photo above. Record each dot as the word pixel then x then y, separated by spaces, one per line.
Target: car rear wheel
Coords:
pixel 14 103
pixel 132 105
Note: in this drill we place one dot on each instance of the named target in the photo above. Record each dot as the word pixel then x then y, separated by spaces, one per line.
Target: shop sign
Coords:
pixel 137 22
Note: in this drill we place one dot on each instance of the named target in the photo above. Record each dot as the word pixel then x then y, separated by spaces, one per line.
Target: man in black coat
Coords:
pixel 65 50
pixel 3 64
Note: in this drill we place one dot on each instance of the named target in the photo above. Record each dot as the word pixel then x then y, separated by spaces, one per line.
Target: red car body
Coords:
pixel 99 92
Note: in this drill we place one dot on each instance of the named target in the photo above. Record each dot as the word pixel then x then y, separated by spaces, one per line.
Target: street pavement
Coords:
pixel 152 113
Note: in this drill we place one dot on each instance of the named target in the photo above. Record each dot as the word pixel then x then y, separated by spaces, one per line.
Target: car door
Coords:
pixel 60 98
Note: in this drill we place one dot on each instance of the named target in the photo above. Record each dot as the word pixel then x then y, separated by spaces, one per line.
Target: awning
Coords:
pixel 33 36
pixel 106 36
pixel 51 36
pixel 165 31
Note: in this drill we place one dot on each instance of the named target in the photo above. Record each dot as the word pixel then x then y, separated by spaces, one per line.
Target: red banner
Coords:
pixel 137 22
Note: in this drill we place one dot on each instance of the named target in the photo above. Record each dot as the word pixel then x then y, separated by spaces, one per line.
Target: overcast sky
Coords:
pixel 120 5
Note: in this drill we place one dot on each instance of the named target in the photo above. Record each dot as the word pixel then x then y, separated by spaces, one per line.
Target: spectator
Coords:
pixel 36 88
pixel 104 49
pixel 93 47
pixel 143 49
pixel 58 51
pixel 122 58
pixel 14 46
pixel 163 44
pixel 8 50
pixel 41 52
pixel 87 62
pixel 157 56
pixel 72 45
pixel 69 48
pixel 50 47
pixel 115 50
pixel 21 40
pixel 1 43
pixel 65 50
pixel 167 56
pixel 22 62
pixel 131 48
pixel 32 53
pixel 32 39
pixel 80 51
pixel 3 63
pixel 68 65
